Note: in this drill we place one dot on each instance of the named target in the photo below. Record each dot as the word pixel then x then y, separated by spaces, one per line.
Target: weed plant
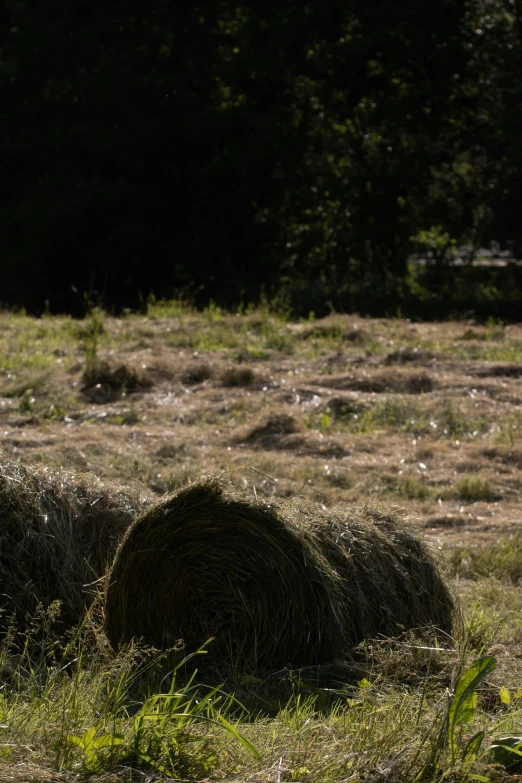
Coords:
pixel 421 713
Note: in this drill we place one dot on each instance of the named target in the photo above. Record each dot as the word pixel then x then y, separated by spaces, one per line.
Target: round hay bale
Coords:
pixel 285 583
pixel 58 533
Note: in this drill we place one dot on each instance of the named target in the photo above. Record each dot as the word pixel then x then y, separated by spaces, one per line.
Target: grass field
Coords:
pixel 421 417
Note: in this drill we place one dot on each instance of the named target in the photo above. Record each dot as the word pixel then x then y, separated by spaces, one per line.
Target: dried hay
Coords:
pixel 344 407
pixel 359 336
pixel 283 432
pixel 269 434
pixel 322 331
pixel 278 584
pixel 58 531
pixel 504 456
pixel 238 376
pixel 473 334
pixel 410 356
pixel 104 381
pixel 393 381
pixel 334 331
pixel 197 372
pixel 505 370
pixel 38 772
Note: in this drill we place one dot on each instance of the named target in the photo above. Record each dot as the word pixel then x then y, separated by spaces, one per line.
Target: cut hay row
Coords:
pixel 278 584
pixel 58 533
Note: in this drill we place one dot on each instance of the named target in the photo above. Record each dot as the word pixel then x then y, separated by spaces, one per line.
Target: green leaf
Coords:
pixel 246 744
pixel 463 704
pixel 91 761
pixel 89 736
pixel 505 696
pixel 467 710
pixel 248 679
pixel 78 741
pixel 508 752
pixel 302 684
pixel 153 763
pixel 160 717
pixel 107 741
pixel 472 748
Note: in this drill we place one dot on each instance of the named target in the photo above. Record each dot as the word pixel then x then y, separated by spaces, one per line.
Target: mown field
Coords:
pixel 420 417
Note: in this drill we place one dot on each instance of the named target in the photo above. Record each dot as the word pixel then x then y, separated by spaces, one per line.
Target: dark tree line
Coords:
pixel 304 150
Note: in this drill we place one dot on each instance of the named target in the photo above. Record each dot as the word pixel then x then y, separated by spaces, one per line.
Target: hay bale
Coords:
pixel 58 531
pixel 286 583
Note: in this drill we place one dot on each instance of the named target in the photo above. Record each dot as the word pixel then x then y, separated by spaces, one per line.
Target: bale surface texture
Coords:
pixel 274 584
pixel 58 533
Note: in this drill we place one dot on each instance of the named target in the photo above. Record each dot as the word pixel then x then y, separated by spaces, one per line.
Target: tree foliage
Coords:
pixel 233 147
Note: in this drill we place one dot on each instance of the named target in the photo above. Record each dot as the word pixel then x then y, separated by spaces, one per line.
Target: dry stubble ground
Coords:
pixel 426 417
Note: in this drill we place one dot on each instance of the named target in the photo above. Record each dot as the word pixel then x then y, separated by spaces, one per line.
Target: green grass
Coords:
pixel 214 330
pixel 498 352
pixel 72 706
pixel 265 327
pixel 440 420
pixel 30 381
pixel 88 712
pixel 502 560
pixel 469 489
pixel 168 308
pixel 27 344
pixel 473 488
pixel 508 430
pixel 413 488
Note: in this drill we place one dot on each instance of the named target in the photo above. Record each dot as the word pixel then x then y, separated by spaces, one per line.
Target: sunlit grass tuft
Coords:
pixel 474 488
pixel 502 560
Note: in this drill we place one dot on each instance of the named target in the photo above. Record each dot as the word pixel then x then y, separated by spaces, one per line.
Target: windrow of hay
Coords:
pixel 284 432
pixel 238 376
pixel 104 381
pixel 389 381
pixel 275 584
pixel 406 355
pixel 58 533
pixel 270 433
pixel 506 370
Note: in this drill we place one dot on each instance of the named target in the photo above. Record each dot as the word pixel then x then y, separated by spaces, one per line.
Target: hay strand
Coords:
pixel 278 584
pixel 58 532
